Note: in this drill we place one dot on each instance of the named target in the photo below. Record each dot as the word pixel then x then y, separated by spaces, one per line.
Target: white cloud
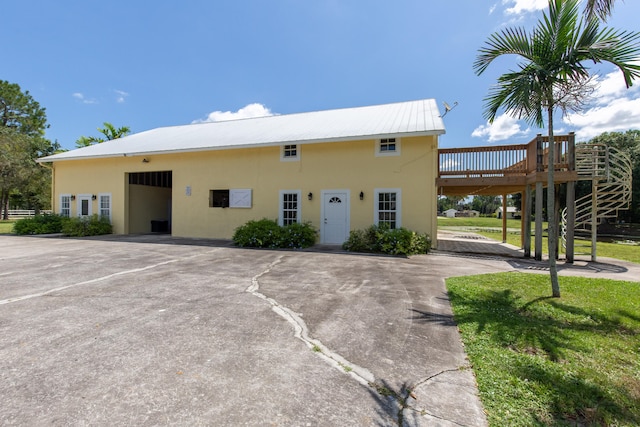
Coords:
pixel 620 115
pixel 121 96
pixel 247 112
pixel 614 108
pixel 503 127
pixel 80 97
pixel 524 6
pixel 449 165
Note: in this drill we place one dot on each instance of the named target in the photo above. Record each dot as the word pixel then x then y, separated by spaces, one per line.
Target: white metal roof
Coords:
pixel 413 118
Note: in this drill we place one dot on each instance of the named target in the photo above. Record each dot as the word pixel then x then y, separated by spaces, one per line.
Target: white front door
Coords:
pixel 334 228
pixel 83 206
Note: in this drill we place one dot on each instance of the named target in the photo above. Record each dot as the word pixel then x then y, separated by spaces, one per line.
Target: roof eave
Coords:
pixel 435 132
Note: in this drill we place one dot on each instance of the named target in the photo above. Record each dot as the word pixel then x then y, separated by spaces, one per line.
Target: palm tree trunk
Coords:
pixel 551 210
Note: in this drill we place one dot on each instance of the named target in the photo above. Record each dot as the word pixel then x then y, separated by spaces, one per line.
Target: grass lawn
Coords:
pixel 479 222
pixel 570 361
pixel 610 250
pixel 6 227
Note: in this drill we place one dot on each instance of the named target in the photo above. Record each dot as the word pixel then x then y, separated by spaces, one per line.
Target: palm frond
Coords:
pixel 513 41
pixel 599 8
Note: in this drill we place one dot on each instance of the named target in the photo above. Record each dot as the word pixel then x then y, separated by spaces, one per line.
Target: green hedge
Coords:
pixel 39 224
pixel 87 226
pixel 384 240
pixel 74 227
pixel 266 233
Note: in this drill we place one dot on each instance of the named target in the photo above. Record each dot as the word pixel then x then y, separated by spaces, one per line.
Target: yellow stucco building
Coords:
pixel 339 169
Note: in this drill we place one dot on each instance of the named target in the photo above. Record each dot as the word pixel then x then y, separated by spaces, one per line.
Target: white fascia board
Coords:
pixel 49 159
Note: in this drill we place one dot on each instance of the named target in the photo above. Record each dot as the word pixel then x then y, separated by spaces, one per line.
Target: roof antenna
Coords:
pixel 448 107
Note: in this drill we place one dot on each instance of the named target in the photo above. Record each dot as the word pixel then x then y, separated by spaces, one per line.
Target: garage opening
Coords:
pixel 150 202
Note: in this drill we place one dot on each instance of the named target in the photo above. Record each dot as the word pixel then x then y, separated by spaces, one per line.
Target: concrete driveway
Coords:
pixel 152 330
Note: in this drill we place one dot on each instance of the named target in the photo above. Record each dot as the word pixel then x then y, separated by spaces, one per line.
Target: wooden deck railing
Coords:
pixel 507 160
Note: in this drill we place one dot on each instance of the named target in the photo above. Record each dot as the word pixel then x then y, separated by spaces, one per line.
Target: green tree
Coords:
pixel 22 125
pixel 486 205
pixel 19 111
pixel 109 132
pixel 449 202
pixel 553 74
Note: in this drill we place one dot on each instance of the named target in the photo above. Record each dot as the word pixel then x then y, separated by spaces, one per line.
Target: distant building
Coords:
pixel 468 214
pixel 450 213
pixel 512 212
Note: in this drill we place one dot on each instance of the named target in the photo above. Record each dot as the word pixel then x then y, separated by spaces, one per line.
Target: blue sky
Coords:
pixel 162 63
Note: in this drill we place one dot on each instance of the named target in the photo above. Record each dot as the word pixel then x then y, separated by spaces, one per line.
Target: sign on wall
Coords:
pixel 240 197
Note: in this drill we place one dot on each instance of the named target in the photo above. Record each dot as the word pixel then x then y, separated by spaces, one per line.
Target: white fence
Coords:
pixel 23 213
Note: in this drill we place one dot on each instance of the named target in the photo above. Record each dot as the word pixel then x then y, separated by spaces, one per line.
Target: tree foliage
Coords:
pixel 19 111
pixel 553 73
pixel 486 205
pixel 22 126
pixel 108 132
pixel 449 202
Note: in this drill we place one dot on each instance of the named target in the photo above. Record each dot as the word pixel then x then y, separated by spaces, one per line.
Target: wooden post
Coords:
pixel 526 233
pixel 556 225
pixel 538 232
pixel 571 201
pixel 571 220
pixel 504 218
pixel 594 219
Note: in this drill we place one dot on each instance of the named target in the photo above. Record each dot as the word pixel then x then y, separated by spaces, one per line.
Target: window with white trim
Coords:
pixel 388 147
pixel 387 207
pixel 104 205
pixel 290 212
pixel 65 205
pixel 290 152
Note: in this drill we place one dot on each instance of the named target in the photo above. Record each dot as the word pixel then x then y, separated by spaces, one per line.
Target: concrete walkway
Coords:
pixel 471 245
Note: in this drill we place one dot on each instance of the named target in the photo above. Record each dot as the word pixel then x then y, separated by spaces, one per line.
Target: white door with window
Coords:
pixel 334 226
pixel 84 207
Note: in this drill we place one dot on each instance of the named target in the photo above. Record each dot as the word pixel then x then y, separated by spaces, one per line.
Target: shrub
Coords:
pixel 266 233
pixel 298 236
pixel 40 224
pixel 362 240
pixel 382 239
pixel 87 226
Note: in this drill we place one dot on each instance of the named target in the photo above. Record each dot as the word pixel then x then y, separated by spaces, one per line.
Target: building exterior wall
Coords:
pixel 352 166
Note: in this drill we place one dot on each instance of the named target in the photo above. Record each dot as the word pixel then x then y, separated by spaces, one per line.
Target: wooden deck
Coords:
pixel 504 169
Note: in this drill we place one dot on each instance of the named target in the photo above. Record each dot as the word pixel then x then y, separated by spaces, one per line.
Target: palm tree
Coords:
pixel 109 131
pixel 553 74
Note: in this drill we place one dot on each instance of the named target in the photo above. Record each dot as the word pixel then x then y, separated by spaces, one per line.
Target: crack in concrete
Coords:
pixel 444 371
pixel 301 331
pixel 422 382
pixel 358 373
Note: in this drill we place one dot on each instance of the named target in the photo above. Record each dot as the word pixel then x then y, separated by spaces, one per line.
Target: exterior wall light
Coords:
pixel 310 196
pixel 145 160
pixel 361 195
pixel 93 197
pixel 73 197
